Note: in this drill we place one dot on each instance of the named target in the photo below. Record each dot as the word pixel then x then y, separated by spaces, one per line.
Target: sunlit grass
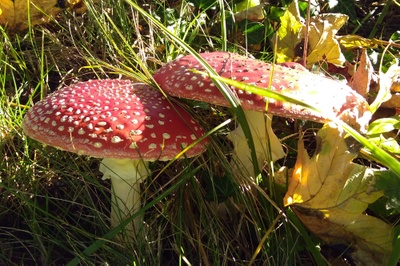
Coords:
pixel 65 204
pixel 258 214
pixel 54 204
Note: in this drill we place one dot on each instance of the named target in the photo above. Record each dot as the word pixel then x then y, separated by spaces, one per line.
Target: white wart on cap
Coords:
pixel 333 98
pixel 113 119
pixel 128 124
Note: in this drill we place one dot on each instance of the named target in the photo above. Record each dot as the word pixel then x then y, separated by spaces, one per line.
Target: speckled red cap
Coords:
pixel 113 119
pixel 332 97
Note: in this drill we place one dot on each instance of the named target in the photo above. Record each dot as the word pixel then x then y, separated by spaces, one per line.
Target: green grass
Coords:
pixel 54 206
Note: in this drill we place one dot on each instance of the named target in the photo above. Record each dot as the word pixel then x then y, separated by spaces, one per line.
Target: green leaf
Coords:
pixel 274 13
pixel 395 36
pixel 390 184
pixel 254 31
pixel 389 144
pixel 395 256
pixel 303 5
pixel 384 125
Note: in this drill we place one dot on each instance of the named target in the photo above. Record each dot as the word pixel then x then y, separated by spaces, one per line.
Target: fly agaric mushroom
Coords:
pixel 128 124
pixel 333 98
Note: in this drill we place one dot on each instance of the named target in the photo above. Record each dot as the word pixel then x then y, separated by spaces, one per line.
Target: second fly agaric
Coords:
pixel 128 124
pixel 333 98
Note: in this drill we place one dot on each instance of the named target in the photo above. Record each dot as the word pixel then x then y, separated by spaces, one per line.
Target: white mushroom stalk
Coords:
pixel 128 124
pixel 126 175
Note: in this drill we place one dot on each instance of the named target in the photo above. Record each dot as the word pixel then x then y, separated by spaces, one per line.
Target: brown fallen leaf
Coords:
pixel 330 194
pixel 361 80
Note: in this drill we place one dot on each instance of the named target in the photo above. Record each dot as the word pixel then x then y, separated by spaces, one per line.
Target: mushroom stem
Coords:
pixel 266 143
pixel 126 176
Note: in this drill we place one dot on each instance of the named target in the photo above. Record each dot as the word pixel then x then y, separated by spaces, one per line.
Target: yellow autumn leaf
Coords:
pixel 352 41
pixel 288 34
pixel 330 194
pixel 6 12
pixel 244 5
pixel 329 178
pixel 322 42
pixel 368 238
pixel 17 14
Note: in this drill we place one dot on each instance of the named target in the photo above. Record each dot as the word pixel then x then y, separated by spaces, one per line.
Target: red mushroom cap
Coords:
pixel 113 119
pixel 332 97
